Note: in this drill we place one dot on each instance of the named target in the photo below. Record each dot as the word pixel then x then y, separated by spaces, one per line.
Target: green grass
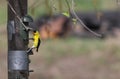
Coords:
pixel 52 50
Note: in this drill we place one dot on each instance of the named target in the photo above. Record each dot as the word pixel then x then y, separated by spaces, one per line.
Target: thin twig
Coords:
pixel 27 28
pixel 81 22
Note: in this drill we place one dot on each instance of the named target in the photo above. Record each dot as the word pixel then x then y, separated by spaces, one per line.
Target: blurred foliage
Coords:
pixel 3 12
pixel 38 7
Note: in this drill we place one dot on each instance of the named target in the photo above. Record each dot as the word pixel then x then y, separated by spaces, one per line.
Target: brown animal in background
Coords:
pixel 53 26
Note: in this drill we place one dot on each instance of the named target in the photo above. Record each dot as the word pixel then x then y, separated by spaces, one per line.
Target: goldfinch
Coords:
pixel 36 40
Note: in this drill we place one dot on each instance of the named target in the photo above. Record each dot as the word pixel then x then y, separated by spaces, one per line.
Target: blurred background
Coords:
pixel 72 52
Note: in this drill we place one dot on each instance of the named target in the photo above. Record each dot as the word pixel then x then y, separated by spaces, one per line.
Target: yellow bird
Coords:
pixel 36 40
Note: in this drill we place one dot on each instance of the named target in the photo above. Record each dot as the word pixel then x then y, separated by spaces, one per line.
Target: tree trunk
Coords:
pixel 15 41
